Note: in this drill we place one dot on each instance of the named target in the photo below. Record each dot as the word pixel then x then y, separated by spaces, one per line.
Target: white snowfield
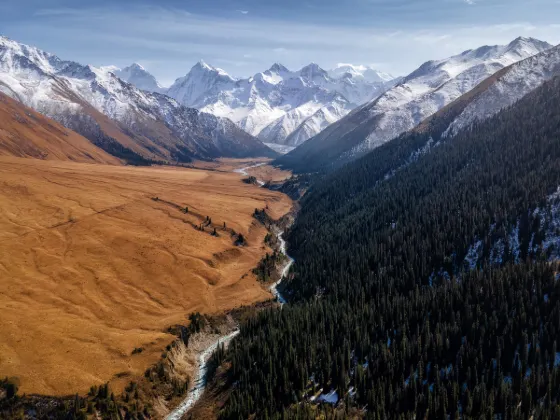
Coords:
pixel 278 106
pixel 197 390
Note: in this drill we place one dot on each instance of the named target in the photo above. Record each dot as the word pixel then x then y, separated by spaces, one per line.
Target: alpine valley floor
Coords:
pixel 97 260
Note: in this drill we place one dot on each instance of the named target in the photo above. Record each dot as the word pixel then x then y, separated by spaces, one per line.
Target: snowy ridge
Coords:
pixel 438 83
pixel 151 124
pixel 520 79
pixel 360 71
pixel 277 102
pixel 416 97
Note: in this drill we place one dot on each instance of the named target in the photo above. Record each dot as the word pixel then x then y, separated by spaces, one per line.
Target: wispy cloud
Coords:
pixel 243 12
pixel 172 40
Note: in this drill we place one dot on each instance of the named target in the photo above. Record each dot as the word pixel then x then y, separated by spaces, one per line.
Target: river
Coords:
pixel 243 171
pixel 197 390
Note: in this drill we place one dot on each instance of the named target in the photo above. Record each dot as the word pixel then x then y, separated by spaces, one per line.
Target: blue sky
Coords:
pixel 245 36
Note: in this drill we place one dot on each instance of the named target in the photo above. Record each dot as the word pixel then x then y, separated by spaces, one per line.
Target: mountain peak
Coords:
pixel 135 66
pixel 278 68
pixel 357 71
pixel 312 67
pixel 138 76
pixel 522 40
pixel 203 67
pixel 312 70
pixel 523 46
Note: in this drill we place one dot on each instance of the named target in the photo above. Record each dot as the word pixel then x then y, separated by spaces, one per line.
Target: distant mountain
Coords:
pixel 278 105
pixel 26 133
pixel 133 124
pixel 419 95
pixel 138 76
pixel 360 71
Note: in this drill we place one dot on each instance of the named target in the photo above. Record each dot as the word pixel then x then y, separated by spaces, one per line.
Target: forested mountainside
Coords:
pixel 419 95
pixel 429 293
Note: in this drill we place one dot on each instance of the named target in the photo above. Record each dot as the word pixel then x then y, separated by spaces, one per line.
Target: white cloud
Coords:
pixel 174 40
pixel 243 12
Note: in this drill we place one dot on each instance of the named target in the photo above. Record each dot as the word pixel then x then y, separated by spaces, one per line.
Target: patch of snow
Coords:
pixel 473 255
pixel 280 148
pixel 331 397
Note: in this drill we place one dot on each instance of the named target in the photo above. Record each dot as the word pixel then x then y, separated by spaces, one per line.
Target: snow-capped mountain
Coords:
pixel 129 122
pixel 277 103
pixel 138 76
pixel 360 71
pixel 507 87
pixel 418 96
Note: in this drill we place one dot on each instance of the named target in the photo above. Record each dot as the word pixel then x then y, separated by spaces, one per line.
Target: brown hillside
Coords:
pixel 26 133
pixel 92 267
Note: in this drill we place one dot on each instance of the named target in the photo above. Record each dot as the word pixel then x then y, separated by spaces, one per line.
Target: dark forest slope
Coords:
pixel 383 299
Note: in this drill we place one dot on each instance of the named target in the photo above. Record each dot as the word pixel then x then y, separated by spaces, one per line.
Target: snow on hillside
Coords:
pixel 437 83
pixel 138 76
pixel 275 103
pixel 63 90
pixel 519 80
pixel 360 71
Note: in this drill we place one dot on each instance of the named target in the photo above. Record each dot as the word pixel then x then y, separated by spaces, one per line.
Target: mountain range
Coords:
pixel 419 95
pixel 136 125
pixel 279 106
pixel 329 117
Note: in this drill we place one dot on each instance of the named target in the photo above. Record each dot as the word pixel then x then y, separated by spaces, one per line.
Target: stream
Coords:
pixel 243 171
pixel 197 390
pixel 274 288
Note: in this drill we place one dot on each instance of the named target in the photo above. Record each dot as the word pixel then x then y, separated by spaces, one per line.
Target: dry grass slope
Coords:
pixel 92 267
pixel 26 133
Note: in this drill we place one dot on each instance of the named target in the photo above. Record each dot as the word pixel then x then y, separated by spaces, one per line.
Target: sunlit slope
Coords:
pixel 92 267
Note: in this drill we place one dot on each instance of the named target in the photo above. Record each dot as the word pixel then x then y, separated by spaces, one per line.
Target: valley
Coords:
pixel 98 261
pixel 292 245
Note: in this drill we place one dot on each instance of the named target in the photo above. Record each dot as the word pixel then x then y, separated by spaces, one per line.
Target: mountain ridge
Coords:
pixel 422 93
pixel 278 103
pixel 94 102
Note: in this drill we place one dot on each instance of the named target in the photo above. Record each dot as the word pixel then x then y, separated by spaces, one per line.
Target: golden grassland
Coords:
pixel 92 267
pixel 266 172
